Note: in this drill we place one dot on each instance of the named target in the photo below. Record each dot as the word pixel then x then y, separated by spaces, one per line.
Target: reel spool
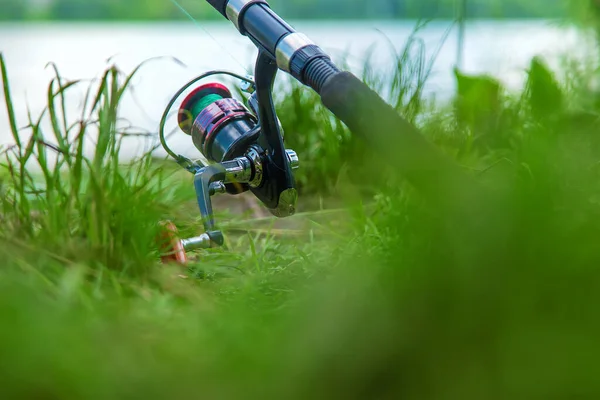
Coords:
pixel 220 126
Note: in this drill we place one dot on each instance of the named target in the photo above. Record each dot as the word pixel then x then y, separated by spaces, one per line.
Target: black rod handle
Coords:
pixel 402 145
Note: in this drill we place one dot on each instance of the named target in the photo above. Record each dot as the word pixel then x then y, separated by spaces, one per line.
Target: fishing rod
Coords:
pixel 245 145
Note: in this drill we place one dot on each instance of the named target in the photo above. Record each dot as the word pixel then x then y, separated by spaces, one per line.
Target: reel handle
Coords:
pixel 173 249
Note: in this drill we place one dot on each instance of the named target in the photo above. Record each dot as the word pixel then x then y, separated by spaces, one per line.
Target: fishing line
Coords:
pixel 176 3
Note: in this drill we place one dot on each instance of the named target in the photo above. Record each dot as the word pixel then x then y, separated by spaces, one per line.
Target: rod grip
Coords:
pixel 383 129
pixel 219 5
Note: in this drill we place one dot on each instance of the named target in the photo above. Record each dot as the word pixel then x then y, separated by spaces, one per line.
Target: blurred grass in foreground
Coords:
pixel 400 300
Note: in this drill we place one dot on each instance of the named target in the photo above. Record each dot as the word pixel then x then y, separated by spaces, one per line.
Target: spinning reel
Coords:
pixel 244 148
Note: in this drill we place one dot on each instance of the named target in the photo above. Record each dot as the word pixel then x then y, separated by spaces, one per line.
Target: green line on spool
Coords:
pixel 204 102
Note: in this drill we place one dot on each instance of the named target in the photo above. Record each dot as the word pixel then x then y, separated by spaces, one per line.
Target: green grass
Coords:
pixel 391 297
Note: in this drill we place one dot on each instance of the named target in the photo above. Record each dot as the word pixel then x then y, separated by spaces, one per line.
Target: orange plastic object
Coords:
pixel 172 250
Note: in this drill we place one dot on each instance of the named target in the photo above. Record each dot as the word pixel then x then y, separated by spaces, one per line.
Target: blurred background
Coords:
pixel 373 290
pixel 310 9
pixel 83 36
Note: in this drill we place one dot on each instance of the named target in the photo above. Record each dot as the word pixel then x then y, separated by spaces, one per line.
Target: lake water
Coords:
pixel 82 51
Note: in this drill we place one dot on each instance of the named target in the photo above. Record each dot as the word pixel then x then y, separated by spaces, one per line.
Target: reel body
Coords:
pixel 243 145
